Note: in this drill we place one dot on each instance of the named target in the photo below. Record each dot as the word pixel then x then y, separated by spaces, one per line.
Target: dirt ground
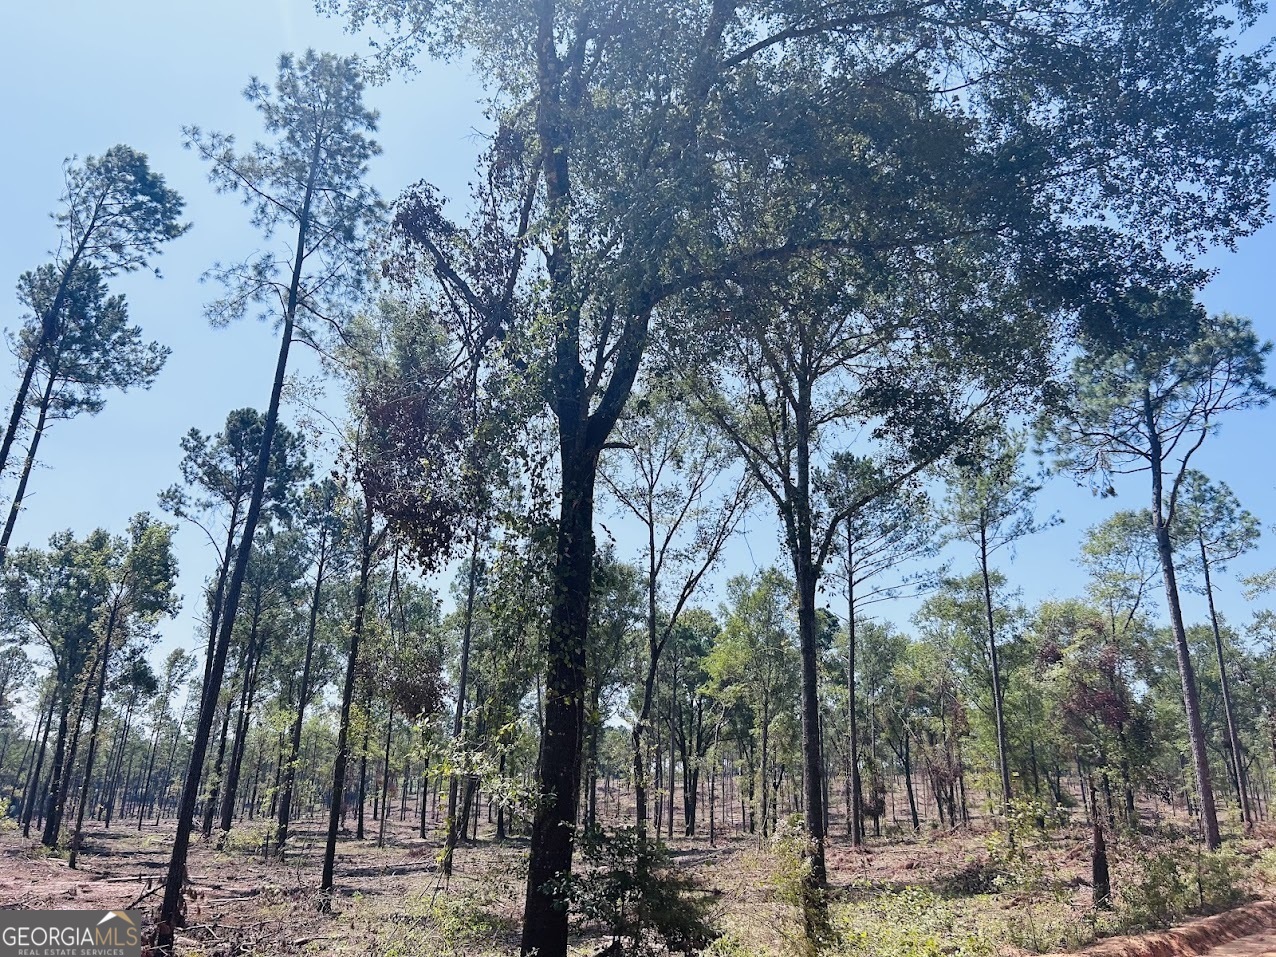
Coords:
pixel 392 901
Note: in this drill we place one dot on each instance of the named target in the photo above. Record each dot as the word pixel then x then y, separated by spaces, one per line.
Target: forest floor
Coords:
pixel 964 893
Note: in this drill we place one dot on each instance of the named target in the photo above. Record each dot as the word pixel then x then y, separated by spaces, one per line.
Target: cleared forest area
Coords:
pixel 675 541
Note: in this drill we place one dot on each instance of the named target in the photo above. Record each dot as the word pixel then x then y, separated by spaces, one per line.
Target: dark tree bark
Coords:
pixel 458 719
pixel 559 762
pixel 303 695
pixel 385 778
pixel 29 462
pixel 368 544
pixel 171 913
pixel 237 751
pixel 1187 673
pixel 855 820
pixel 88 762
pixel 1233 739
pixel 1099 876
pixel 31 792
pixel 64 759
pixel 1003 755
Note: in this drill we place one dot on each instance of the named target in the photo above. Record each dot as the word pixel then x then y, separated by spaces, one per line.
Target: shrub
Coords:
pixel 1178 881
pixel 441 924
pixel 633 892
pixel 247 838
pixel 912 922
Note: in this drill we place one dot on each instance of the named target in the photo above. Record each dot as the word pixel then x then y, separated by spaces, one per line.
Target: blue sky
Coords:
pixel 81 75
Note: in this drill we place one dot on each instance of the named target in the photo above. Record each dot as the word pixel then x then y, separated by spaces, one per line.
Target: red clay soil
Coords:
pixel 1248 931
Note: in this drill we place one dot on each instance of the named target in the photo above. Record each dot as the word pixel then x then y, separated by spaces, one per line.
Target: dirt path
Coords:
pixel 1256 945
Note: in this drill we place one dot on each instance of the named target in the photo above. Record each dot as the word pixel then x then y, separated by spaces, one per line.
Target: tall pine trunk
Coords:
pixel 367 546
pixel 1187 674
pixel 454 825
pixel 88 762
pixel 855 820
pixel 28 463
pixel 171 913
pixel 998 702
pixel 1233 739
pixel 303 694
pixel 49 328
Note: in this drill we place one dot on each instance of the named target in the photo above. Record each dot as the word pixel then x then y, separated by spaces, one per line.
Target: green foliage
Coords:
pixel 1188 367
pixel 1161 888
pixel 790 849
pixel 461 920
pixel 247 838
pixel 912 922
pixel 217 474
pixel 96 348
pixel 1011 850
pixel 632 889
pixel 441 924
pixel 309 181
pixel 732 943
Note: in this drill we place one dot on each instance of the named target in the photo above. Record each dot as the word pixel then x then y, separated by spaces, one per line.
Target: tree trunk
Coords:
pixel 559 761
pixel 231 790
pixel 28 463
pixel 458 719
pixel 855 821
pixel 114 785
pixel 1099 878
pixel 1233 739
pixel 31 793
pixel 144 802
pixel 591 758
pixel 49 330
pixel 1187 674
pixel 998 704
pixel 215 778
pixel 171 912
pixel 367 546
pixel 363 785
pixel 815 880
pixel 88 761
pixel 303 694
pixel 172 757
pixel 673 733
pixel 60 768
pixel 908 786
pixel 385 778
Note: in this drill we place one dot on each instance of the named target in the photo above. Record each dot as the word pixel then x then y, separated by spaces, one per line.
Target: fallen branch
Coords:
pixel 142 896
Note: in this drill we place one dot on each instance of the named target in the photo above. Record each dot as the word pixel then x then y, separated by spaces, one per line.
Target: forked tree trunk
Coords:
pixel 1187 674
